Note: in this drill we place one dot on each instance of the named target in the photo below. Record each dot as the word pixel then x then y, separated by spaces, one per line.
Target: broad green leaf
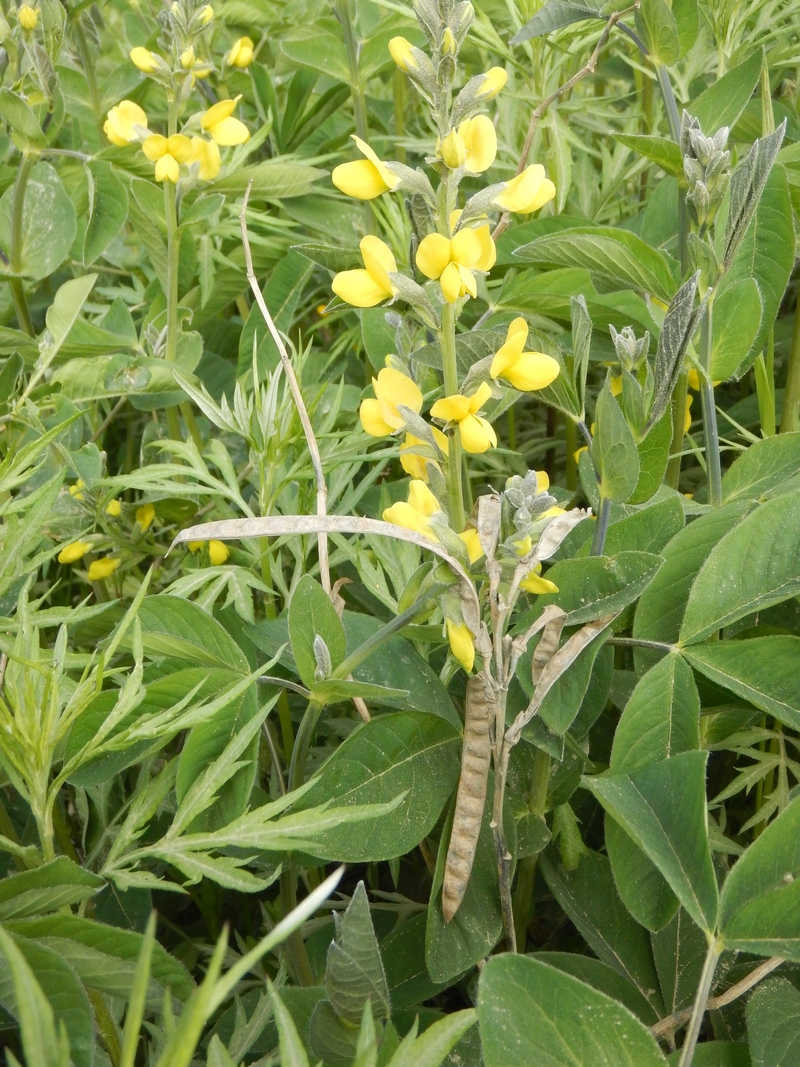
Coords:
pixel 49 223
pixel 316 47
pixel 658 29
pixel 47 888
pixel 336 689
pixel 687 19
pixel 653 458
pixel 737 318
pixel 765 465
pixel 563 701
pixel 15 112
pixel 291 1047
pixel 614 451
pixel 618 255
pixel 108 209
pixel 532 1015
pixel 312 617
pixel 30 1005
pixel 378 762
pixel 640 884
pixel 679 950
pixel 773 1024
pixel 759 908
pixel 273 178
pixel 660 150
pixel 334 258
pixel 63 312
pixel 590 899
pixel 663 808
pixel 646 530
pixel 725 99
pixel 603 978
pixel 751 568
pixel 403 954
pixel 354 971
pixel 180 629
pixel 762 670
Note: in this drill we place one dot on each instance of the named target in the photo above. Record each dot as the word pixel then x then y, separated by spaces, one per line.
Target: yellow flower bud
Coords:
pixel 75 490
pixel 241 53
pixel 453 150
pixel 527 192
pixel 493 82
pixel 205 14
pixel 533 583
pixel 402 52
pixel 145 515
pixel 217 553
pixel 28 17
pixel 449 46
pixel 72 553
pixel 114 509
pixel 473 542
pixel 188 58
pixel 145 60
pixel 461 644
pixel 102 568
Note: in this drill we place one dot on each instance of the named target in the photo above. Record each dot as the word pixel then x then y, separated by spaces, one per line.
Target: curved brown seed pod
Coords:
pixel 471 798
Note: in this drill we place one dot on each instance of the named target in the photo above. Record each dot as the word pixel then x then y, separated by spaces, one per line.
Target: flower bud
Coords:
pixel 205 15
pixel 402 52
pixel 144 59
pixel 449 44
pixel 493 82
pixel 453 150
pixel 188 58
pixel 28 17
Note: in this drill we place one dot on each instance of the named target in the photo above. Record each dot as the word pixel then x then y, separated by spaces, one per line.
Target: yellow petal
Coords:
pixel 356 287
pixel 167 169
pixel 523 546
pixel 206 154
pixel 477 435
pixel 72 553
pixel 451 408
pixel 392 387
pixel 493 82
pixel 402 514
pixel 229 132
pixel 402 53
pixel 517 333
pixel 473 543
pixel 451 283
pixel 194 546
pixel 694 379
pixel 379 261
pixel 480 396
pixel 102 568
pixel 371 420
pixel 114 509
pixel 480 140
pixel 465 248
pixel 411 462
pixel 525 190
pixel 145 60
pixel 28 17
pixel 218 552
pixel 422 499
pixel 154 146
pixel 468 283
pixel 145 515
pixel 219 112
pixel 547 192
pixel 488 256
pixel 461 644
pixel 533 370
pixel 533 583
pixel 179 147
pixel 687 422
pixel 433 255
pixel 441 441
pixel 359 179
pixel 542 482
pixel 453 150
pixel 241 53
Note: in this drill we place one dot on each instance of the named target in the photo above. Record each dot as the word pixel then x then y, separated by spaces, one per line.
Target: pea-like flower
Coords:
pixel 415 513
pixel 206 153
pixel 364 179
pixel 452 260
pixel 473 542
pixel 687 419
pixel 75 490
pixel 527 192
pixel 121 122
pixel 472 146
pixel 461 643
pixel 145 60
pixel 102 568
pixel 415 464
pixel 370 285
pixel 167 153
pixel 534 583
pixel 380 416
pixel 225 130
pixel 72 553
pixel 476 432
pixel 525 370
pixel 113 509
pixel 402 52
pixel 218 551
pixel 241 53
pixel 145 515
pixel 28 17
pixel 493 81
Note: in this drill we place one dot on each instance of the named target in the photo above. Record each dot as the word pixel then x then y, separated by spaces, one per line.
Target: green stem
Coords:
pixel 601 527
pixel 399 94
pixel 790 417
pixel 678 434
pixel 665 85
pixel 571 443
pixel 297 956
pixel 88 66
pixel 302 743
pixel 450 372
pixel 764 371
pixel 15 252
pixel 342 9
pixel 700 1001
pixel 710 431
pixel 526 878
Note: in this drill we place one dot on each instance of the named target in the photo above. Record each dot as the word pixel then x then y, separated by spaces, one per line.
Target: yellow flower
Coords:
pixel 472 146
pixel 205 14
pixel 364 288
pixel 527 192
pixel 473 543
pixel 114 509
pixel 402 52
pixel 206 154
pixel 525 370
pixel 477 434
pixel 533 583
pixel 121 120
pixel 694 380
pixel 415 464
pixel 218 122
pixel 364 179
pixel 415 514
pixel 380 417
pixel 452 260
pixel 687 420
pixel 195 546
pixel 72 553
pixel 461 644
pixel 145 515
pixel 241 53
pixel 615 385
pixel 102 568
pixel 144 59
pixel 75 490
pixel 167 153
pixel 449 45
pixel 493 82
pixel 28 17
pixel 218 552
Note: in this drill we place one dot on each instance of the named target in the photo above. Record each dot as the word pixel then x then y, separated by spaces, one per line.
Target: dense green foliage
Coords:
pixel 399 607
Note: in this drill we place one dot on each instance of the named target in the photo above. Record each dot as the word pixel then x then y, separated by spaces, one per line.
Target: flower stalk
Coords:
pixel 455 488
pixel 710 431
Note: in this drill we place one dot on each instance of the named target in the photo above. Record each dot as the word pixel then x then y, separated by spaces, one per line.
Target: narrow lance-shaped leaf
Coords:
pixel 747 185
pixel 581 344
pixel 680 323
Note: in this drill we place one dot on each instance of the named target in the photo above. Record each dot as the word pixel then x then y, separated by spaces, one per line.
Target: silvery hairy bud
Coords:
pixel 461 20
pixel 630 350
pixel 430 20
pixel 322 657
pixel 706 164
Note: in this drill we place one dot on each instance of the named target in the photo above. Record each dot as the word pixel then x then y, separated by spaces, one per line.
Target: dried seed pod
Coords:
pixel 546 648
pixel 471 798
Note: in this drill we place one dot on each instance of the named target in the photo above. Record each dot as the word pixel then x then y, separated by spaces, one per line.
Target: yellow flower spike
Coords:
pixel 188 58
pixel 415 464
pixel 102 568
pixel 473 542
pixel 477 434
pixel 380 417
pixel 167 153
pixel 687 421
pixel 533 583
pixel 218 553
pixel 526 371
pixel 121 120
pixel 450 261
pixel 114 509
pixel 144 59
pixel 364 179
pixel 145 515
pixel 480 142
pixel 493 81
pixel 415 514
pixel 453 150
pixel 402 52
pixel 364 288
pixel 218 123
pixel 461 644
pixel 72 553
pixel 206 153
pixel 28 17
pixel 241 53
pixel 527 192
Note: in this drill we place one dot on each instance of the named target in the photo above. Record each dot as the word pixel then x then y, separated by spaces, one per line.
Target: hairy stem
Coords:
pixel 678 433
pixel 450 369
pixel 601 527
pixel 526 876
pixel 700 1001
pixel 710 431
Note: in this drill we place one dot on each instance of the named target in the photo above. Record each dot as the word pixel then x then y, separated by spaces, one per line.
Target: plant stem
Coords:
pixel 700 1000
pixel 399 94
pixel 710 431
pixel 526 877
pixel 764 371
pixel 88 66
pixel 790 417
pixel 450 372
pixel 297 957
pixel 15 252
pixel 665 85
pixel 571 444
pixel 678 434
pixel 601 527
pixel 173 254
pixel 342 10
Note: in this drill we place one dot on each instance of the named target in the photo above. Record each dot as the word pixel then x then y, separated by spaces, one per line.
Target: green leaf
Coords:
pixel 662 807
pixel 765 465
pixel 759 908
pixel 30 1006
pixel 432 1047
pixel 555 14
pixel 646 530
pixel 726 98
pixel 614 450
pixel 47 888
pixel 63 312
pixel 773 1024
pixel 737 318
pixel 376 763
pixel 603 978
pixel 180 629
pixel 312 46
pixel 717 1054
pixel 653 458
pixel 563 702
pixel 532 1015
pixel 751 568
pixel 108 209
pixel 332 257
pixel 336 689
pixel 590 899
pixel 282 294
pixel 403 954
pixel 272 179
pixel 617 255
pixel 679 950
pixel 659 150
pixel 747 185
pixel 312 616
pixel 19 117
pixel 658 29
pixel 291 1047
pixel 354 971
pixel 687 19
pixel 49 224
